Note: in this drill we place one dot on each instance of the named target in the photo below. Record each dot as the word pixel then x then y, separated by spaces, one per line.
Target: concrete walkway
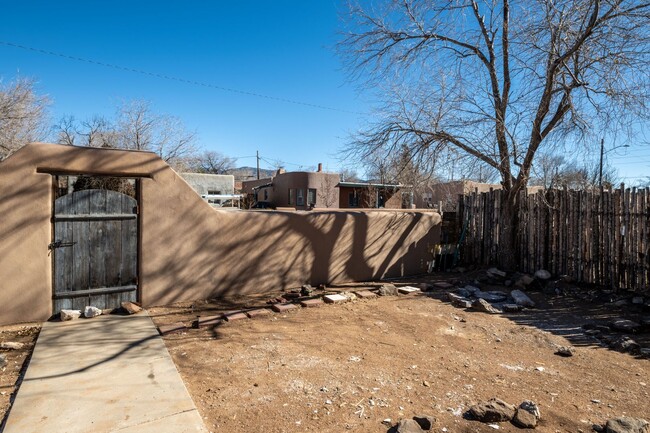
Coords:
pixel 107 374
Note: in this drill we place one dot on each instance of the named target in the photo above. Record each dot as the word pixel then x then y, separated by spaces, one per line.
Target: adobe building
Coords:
pixel 210 185
pixel 300 190
pixel 360 195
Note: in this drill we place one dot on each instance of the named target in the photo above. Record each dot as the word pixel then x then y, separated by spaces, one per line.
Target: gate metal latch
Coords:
pixel 59 244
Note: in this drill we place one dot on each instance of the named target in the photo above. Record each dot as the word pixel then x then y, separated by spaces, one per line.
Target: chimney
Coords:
pixel 320 167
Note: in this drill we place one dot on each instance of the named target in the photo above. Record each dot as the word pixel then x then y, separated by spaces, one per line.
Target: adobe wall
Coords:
pixel 190 250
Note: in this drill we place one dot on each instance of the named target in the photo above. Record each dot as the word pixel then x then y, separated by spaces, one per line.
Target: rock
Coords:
pixel 543 275
pixel 349 295
pixel 458 301
pixel 494 410
pixel 491 296
pixel 425 421
pixel 626 345
pixel 531 407
pixel 624 325
pixel 637 300
pixel 524 281
pixel 463 292
pixel 472 289
pixel 306 290
pixel 131 307
pixel 620 303
pixel 524 419
pixel 3 360
pixel 511 308
pixel 70 315
pixel 522 299
pixel 626 424
pixel 11 345
pixel 90 312
pixel 408 426
pixel 485 306
pixel 426 287
pixel 387 290
pixel 494 272
pixel 565 351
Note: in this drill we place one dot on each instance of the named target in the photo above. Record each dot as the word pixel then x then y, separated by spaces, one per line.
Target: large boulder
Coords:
pixel 626 424
pixel 493 410
pixel 543 275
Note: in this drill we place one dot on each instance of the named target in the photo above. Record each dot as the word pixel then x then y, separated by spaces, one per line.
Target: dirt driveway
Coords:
pixel 348 367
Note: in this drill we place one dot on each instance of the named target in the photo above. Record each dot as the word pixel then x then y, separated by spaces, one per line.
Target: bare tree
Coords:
pixel 211 162
pixel 499 80
pixel 140 128
pixel 349 175
pixel 23 116
pixel 136 127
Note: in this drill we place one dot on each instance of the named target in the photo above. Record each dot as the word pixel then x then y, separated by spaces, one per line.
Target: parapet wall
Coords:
pixel 188 249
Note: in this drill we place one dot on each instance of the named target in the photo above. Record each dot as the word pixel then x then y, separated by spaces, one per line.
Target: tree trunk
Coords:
pixel 509 229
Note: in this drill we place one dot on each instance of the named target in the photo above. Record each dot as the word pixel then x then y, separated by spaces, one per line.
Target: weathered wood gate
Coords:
pixel 95 249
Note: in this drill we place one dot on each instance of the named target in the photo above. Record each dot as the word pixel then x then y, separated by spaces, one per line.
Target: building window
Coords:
pixel 212 200
pixel 353 199
pixel 292 196
pixel 300 197
pixel 266 195
pixel 311 197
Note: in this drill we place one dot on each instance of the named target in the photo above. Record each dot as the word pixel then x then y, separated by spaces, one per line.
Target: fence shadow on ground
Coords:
pixel 570 318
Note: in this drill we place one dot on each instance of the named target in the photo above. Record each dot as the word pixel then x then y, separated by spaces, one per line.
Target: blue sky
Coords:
pixel 282 49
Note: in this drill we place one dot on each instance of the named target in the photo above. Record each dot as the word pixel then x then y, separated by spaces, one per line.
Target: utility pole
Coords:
pixel 600 170
pixel 258 164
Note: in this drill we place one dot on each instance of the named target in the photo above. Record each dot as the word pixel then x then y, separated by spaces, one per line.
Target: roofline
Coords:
pixel 366 184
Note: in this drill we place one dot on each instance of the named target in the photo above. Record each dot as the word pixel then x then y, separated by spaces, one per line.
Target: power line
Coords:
pixel 174 78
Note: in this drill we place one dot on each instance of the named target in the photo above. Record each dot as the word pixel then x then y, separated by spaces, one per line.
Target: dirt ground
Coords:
pixel 349 367
pixel 10 373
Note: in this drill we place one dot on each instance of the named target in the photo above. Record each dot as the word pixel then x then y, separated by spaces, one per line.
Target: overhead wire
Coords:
pixel 175 78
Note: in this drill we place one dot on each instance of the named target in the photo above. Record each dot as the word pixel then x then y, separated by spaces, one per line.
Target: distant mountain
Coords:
pixel 250 173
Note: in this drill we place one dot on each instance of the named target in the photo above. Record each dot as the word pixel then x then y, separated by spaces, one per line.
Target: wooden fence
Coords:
pixel 600 237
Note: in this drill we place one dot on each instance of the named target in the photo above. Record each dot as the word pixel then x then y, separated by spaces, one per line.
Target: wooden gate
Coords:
pixel 95 249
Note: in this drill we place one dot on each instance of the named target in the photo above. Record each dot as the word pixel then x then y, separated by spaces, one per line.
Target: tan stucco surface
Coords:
pixel 188 249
